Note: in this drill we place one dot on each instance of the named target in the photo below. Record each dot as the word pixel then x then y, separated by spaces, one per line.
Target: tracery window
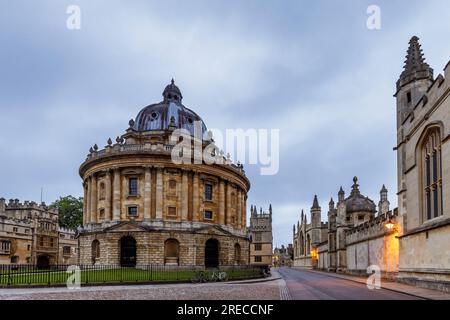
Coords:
pixel 432 175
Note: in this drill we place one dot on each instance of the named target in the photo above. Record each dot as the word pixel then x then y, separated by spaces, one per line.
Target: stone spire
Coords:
pixel 331 205
pixel 415 66
pixel 355 187
pixel 341 194
pixel 383 205
pixel 315 203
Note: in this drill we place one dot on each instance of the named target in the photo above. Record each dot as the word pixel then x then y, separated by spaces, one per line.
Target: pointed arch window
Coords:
pixel 432 175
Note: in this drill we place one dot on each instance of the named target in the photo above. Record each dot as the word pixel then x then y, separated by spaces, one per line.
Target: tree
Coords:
pixel 70 211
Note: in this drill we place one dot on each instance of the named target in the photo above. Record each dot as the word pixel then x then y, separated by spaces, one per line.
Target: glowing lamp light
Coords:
pixel 390 225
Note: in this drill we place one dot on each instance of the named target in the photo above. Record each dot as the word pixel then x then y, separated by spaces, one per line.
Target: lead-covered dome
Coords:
pixel 169 112
pixel 356 202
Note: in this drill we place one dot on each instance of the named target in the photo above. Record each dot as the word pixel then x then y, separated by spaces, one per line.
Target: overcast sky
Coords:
pixel 314 71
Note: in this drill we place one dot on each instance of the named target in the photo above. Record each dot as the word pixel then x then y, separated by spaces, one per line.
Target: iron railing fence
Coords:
pixel 29 275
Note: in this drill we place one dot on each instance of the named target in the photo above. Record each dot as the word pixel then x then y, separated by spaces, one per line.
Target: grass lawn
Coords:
pixel 114 275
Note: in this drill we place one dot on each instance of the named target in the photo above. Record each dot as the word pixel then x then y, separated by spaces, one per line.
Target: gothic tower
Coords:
pixel 315 222
pixel 414 81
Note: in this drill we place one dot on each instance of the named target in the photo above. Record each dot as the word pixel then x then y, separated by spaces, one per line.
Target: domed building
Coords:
pixel 141 207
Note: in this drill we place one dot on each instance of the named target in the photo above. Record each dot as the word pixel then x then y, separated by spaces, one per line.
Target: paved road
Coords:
pixel 210 291
pixel 308 285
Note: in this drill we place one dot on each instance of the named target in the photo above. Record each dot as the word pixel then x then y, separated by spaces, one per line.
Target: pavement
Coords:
pixel 267 290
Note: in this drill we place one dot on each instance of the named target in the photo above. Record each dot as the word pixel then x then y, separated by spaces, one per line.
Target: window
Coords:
pixel 172 211
pixel 133 211
pixel 5 246
pixel 41 241
pixel 102 214
pixel 432 175
pixel 14 259
pixel 15 229
pixel 258 237
pixel 102 191
pixel 258 246
pixel 233 219
pixel 66 250
pixel 208 215
pixel 408 97
pixel 208 192
pixel 133 186
pixel 28 260
pixel 258 259
pixel 52 242
pixel 172 184
pixel 62 236
pixel 233 199
pixel 28 247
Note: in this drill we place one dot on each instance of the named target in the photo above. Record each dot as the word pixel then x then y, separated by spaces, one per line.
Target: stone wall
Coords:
pixel 372 244
pixel 150 247
pixel 425 258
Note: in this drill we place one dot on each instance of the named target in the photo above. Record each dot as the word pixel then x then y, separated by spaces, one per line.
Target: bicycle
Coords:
pixel 219 276
pixel 199 277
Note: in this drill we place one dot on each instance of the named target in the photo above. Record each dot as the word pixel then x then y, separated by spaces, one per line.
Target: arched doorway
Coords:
pixel 212 253
pixel 43 262
pixel 95 251
pixel 171 252
pixel 128 252
pixel 237 254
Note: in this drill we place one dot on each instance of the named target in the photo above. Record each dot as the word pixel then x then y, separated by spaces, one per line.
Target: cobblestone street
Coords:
pixel 212 291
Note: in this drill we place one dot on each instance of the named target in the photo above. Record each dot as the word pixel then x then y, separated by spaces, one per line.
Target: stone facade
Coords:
pixel 423 149
pixel 355 237
pixel 261 248
pixel 29 234
pixel 164 201
pixel 283 256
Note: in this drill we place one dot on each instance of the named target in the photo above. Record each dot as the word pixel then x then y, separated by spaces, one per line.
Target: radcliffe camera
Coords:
pixel 214 158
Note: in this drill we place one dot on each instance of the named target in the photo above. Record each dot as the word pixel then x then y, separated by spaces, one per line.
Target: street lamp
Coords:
pixel 390 225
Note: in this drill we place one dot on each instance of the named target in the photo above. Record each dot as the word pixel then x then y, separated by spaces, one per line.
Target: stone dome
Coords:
pixel 169 112
pixel 356 202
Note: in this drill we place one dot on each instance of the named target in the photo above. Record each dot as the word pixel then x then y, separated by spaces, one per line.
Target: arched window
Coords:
pixel 95 251
pixel 171 252
pixel 172 184
pixel 237 253
pixel 432 175
pixel 102 191
pixel 308 245
pixel 302 244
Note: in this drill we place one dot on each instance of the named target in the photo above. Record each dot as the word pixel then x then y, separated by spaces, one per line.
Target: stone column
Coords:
pixel 221 202
pixel 159 193
pixel 195 198
pixel 116 195
pixel 94 198
pixel 147 193
pixel 228 203
pixel 244 210
pixel 86 208
pixel 238 209
pixel 184 195
pixel 108 213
